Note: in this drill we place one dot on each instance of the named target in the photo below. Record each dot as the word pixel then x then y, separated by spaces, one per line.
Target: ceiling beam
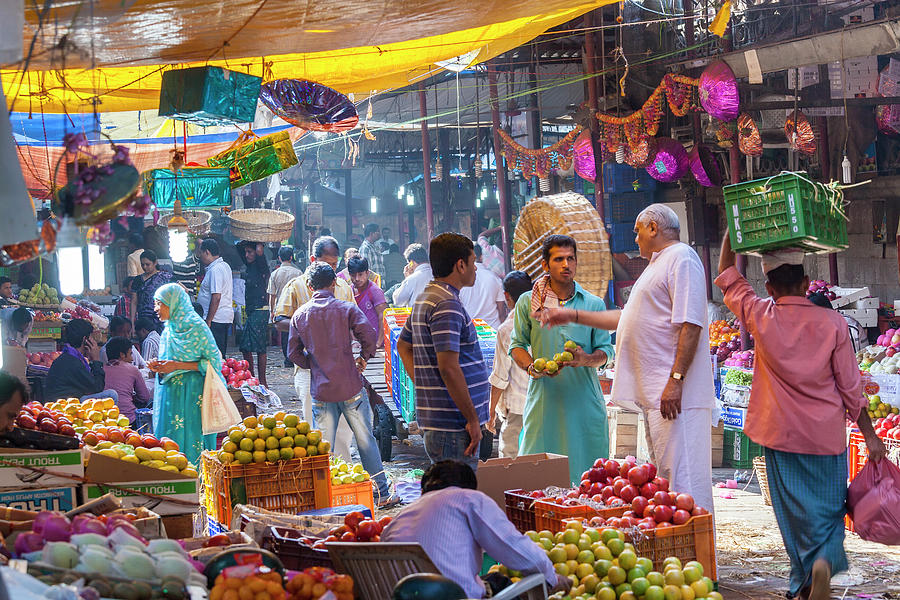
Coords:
pixel 821 103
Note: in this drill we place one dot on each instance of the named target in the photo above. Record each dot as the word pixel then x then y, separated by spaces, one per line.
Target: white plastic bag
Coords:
pixel 217 411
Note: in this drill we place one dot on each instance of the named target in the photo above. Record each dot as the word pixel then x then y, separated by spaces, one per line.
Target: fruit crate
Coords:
pixel 621 237
pixel 550 516
pixel 407 398
pixel 348 494
pixel 285 543
pixel 622 179
pixel 290 486
pixel 40 332
pixel 625 207
pixel 780 212
pixel 695 540
pixel 520 509
pixel 858 453
pixel 738 450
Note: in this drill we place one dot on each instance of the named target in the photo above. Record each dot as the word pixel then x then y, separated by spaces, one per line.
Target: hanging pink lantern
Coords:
pixel 639 155
pixel 670 163
pixel 718 92
pixel 704 166
pixel 583 156
pixel 887 117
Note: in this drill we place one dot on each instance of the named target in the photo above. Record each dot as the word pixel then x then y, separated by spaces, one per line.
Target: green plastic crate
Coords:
pixel 738 450
pixel 407 398
pixel 780 212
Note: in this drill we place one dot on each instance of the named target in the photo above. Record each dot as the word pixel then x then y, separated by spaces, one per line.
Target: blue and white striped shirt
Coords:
pixel 439 323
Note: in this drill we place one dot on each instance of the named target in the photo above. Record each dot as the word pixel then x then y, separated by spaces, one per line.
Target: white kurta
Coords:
pixel 671 291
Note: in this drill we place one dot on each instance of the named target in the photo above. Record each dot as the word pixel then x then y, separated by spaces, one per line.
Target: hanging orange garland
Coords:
pixel 539 162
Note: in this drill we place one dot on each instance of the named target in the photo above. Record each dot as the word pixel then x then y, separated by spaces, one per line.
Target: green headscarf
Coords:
pixel 186 337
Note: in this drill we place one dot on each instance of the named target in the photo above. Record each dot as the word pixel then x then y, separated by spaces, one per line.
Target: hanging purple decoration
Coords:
pixel 887 117
pixel 309 105
pixel 670 163
pixel 583 155
pixel 704 166
pixel 718 92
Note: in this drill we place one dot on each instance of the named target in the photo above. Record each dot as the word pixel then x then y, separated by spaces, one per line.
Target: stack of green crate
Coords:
pixel 407 397
pixel 738 450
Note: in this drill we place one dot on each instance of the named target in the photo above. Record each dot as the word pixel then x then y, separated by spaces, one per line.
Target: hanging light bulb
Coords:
pixel 400 192
pixel 178 234
pixel 544 184
pixel 484 193
pixel 410 200
pixel 478 202
pixel 438 170
pixel 96 268
pixel 305 198
pixel 71 260
pixel 478 168
pixel 846 176
pixel 620 155
pixel 497 195
pixel 373 205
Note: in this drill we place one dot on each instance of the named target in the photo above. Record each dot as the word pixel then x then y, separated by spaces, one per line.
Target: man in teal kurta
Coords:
pixel 564 413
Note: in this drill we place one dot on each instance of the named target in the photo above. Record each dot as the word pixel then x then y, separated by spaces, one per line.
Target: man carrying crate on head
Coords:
pixel 806 383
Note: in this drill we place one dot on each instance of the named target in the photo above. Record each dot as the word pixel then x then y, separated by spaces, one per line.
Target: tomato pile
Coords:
pixel 48 419
pixel 42 359
pixel 357 528
pixel 237 373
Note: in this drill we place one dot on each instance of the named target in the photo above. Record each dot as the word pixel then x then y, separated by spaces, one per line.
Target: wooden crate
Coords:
pixel 623 429
pixel 718 440
pixel 643 453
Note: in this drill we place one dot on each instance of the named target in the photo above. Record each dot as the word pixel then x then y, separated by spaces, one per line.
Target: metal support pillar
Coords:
pixel 501 168
pixel 426 164
pixel 825 165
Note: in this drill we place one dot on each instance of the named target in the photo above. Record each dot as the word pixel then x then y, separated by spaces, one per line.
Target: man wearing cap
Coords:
pixel 806 383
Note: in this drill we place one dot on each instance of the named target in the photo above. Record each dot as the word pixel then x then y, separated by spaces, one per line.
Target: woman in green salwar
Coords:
pixel 186 347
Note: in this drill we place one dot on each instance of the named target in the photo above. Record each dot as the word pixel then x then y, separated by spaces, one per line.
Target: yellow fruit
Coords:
pixel 259 457
pixel 103 445
pixel 246 444
pixel 157 454
pixel 179 461
pixel 144 453
pixel 244 457
pixel 287 453
pixel 190 472
pixel 263 432
pixel 300 440
pixel 113 413
pixel 324 447
pixel 259 444
pixel 171 453
pixel 303 427
pixel 169 468
pixel 96 416
pixel 272 443
pixel 251 434
pixel 250 422
pixel 109 403
pixel 108 452
pixel 279 432
pixel 291 420
pixel 551 367
pixel 286 442
pixel 314 436
pixel 291 432
pixel 273 455
pixel 280 415
pixel 269 422
pixel 312 451
pixel 235 435
pixel 229 446
pixel 156 464
pixel 299 451
pixel 225 457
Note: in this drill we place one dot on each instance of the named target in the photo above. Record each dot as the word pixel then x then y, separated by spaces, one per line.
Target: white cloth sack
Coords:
pixel 217 410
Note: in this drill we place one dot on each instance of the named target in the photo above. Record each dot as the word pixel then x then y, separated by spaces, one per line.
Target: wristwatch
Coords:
pixel 677 376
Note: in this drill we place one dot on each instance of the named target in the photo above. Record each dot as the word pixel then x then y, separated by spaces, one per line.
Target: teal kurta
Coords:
pixel 565 414
pixel 178 395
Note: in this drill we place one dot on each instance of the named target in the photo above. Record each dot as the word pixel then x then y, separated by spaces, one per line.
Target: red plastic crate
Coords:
pixel 550 516
pixel 520 509
pixel 695 540
pixel 349 494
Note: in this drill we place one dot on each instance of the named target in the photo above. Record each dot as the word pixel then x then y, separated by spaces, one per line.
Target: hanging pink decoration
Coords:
pixel 718 92
pixel 670 163
pixel 583 156
pixel 704 166
pixel 887 117
pixel 640 154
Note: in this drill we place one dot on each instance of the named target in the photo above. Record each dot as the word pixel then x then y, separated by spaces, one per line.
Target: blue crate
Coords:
pixel 624 208
pixel 624 179
pixel 338 511
pixel 621 237
pixel 214 528
pixel 143 420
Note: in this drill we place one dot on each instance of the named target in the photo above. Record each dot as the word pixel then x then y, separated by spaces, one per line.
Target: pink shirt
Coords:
pixel 806 380
pixel 129 383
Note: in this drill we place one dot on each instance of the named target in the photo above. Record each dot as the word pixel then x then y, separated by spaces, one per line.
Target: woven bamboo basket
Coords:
pixel 759 465
pixel 198 221
pixel 261 224
pixel 568 214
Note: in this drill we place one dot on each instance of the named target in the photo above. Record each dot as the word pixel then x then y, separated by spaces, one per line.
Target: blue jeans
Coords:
pixel 449 445
pixel 358 413
pixel 104 394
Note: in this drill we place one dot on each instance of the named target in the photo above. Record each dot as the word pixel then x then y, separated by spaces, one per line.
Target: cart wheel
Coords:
pixel 383 428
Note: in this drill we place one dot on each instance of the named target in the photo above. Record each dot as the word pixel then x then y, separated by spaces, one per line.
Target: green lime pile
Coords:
pixel 603 566
pixel 271 438
pixel 343 472
pixel 40 293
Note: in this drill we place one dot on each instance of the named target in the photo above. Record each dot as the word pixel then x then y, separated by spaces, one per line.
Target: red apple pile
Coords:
pixel 34 415
pixel 237 373
pixel 356 528
pixel 42 359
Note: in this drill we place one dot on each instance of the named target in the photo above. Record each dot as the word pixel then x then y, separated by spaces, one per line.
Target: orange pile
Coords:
pixel 263 585
pixel 315 582
pixel 720 331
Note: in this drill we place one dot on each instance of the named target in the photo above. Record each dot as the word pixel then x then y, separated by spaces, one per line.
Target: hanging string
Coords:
pixel 458 130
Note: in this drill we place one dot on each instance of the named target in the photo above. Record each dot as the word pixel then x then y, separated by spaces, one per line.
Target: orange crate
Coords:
pixel 291 487
pixel 550 516
pixel 520 510
pixel 695 540
pixel 353 493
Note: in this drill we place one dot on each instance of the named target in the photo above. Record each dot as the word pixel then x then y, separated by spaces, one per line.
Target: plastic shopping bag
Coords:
pixel 873 502
pixel 217 410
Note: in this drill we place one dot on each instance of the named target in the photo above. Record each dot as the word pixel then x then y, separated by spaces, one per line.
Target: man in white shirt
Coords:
pixel 149 338
pixel 277 281
pixel 418 274
pixel 133 263
pixel 662 364
pixel 485 299
pixel 121 327
pixel 509 383
pixel 216 293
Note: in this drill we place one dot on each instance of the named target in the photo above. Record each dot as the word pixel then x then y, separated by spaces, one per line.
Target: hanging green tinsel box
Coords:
pixel 196 187
pixel 254 158
pixel 209 96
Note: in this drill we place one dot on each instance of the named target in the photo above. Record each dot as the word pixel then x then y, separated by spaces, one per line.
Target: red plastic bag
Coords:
pixel 873 502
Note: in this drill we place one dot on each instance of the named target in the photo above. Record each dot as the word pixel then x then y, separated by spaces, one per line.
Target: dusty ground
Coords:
pixel 751 558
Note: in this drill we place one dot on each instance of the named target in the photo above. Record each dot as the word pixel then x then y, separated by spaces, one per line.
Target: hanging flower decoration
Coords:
pixel 749 138
pixel 704 167
pixel 539 162
pixel 718 92
pixel 799 133
pixel 670 162
pixel 640 155
pixel 583 156
pixel 101 235
pixel 887 117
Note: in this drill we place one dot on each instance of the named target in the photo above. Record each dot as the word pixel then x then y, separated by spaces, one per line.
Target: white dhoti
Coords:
pixel 344 433
pixel 681 449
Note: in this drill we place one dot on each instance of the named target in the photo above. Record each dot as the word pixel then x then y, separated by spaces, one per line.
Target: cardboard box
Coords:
pixel 15 362
pixel 179 527
pixel 532 471
pixel 867 317
pixel 864 303
pixel 61 499
pixel 65 462
pixel 718 441
pixel 105 469
pixel 623 426
pixel 847 296
pixel 183 490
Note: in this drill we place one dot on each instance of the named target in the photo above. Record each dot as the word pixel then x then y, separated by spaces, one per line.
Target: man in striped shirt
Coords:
pixel 371 250
pixel 439 348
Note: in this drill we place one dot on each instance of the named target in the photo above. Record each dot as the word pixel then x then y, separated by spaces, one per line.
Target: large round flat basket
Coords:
pixel 261 224
pixel 568 214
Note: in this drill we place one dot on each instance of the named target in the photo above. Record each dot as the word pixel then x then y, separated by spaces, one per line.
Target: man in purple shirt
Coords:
pixel 320 339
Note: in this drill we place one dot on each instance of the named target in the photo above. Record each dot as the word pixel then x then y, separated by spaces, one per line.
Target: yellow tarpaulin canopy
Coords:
pixel 152 35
